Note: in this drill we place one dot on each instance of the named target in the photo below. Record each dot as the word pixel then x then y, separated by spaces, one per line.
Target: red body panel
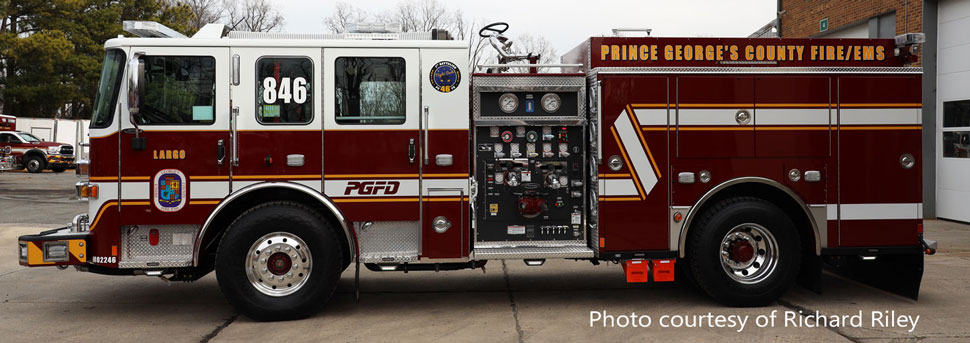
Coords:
pixel 640 222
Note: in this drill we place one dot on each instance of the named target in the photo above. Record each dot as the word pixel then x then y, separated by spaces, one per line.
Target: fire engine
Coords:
pixel 280 160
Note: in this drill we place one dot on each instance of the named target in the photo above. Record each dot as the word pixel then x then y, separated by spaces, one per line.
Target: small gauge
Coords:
pixel 499 147
pixel 531 136
pixel 563 147
pixel 493 131
pixel 520 131
pixel 551 102
pixel 507 136
pixel 530 150
pixel 514 150
pixel 508 102
pixel 546 147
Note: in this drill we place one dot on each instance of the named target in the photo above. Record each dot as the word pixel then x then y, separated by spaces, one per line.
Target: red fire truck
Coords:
pixel 279 160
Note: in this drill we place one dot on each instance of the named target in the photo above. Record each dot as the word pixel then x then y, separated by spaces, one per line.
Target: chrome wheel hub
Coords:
pixel 278 264
pixel 33 165
pixel 749 253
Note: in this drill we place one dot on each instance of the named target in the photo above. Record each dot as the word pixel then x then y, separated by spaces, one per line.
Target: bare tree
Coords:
pixel 537 45
pixel 252 15
pixel 344 13
pixel 204 12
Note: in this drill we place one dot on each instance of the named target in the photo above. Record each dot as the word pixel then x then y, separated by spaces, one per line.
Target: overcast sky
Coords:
pixel 567 22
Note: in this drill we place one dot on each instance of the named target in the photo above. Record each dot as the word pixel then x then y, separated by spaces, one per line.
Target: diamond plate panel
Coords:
pixel 174 248
pixel 389 241
pixel 532 252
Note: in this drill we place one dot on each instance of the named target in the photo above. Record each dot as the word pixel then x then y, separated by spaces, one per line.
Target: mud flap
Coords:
pixel 895 273
pixel 810 275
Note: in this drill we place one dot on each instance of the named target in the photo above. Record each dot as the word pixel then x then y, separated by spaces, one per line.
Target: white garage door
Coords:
pixel 953 111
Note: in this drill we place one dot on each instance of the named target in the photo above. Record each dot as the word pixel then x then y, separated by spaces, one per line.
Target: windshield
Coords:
pixel 107 97
pixel 28 137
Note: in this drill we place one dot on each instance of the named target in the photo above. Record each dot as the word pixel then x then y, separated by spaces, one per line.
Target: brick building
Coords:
pixel 849 19
pixel 946 77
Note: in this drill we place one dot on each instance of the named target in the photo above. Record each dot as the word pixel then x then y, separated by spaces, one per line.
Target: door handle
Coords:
pixel 221 152
pixel 234 134
pixel 427 125
pixel 411 150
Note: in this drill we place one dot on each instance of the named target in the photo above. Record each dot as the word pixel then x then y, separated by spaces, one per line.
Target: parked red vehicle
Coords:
pixel 34 154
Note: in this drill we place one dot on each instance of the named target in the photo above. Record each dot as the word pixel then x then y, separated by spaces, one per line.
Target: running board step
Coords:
pixel 532 253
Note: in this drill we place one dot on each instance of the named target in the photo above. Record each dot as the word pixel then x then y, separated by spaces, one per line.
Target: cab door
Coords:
pixel 444 174
pixel 173 167
pixel 278 121
pixel 371 151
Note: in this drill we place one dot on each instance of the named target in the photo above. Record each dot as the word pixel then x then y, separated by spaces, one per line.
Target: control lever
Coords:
pixel 221 152
pixel 553 181
pixel 411 150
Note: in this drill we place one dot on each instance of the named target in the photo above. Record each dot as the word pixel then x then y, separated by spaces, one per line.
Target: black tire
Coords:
pixel 58 169
pixel 297 220
pixel 743 215
pixel 35 164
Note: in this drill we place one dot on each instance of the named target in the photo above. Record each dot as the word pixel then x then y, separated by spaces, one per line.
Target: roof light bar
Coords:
pixel 150 29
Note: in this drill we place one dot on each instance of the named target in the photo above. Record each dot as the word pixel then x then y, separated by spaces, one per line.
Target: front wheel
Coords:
pixel 35 164
pixel 279 261
pixel 744 252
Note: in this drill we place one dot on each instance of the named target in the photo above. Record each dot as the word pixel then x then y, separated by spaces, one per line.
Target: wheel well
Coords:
pixel 34 152
pixel 771 193
pixel 225 217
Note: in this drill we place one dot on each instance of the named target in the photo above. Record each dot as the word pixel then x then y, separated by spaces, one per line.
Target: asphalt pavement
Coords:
pixel 508 302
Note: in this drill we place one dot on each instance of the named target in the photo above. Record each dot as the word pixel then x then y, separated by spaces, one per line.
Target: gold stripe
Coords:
pixel 100 212
pixel 715 128
pixel 103 178
pixel 204 202
pixel 791 128
pixel 748 105
pixel 627 160
pixel 783 128
pixel 643 141
pixel 854 128
pixel 611 176
pixel 883 105
pixel 619 199
pixel 256 177
pixel 378 200
pixel 392 176
pixel 209 177
pixel 135 203
pixel 779 105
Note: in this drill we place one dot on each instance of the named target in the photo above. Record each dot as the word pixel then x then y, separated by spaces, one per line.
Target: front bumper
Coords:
pixel 58 247
pixel 60 159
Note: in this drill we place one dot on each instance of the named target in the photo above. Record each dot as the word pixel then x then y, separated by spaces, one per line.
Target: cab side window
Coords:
pixel 284 91
pixel 179 90
pixel 370 90
pixel 8 138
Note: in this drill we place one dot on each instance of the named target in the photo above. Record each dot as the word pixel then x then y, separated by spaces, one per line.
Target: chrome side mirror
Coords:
pixel 136 90
pixel 136 83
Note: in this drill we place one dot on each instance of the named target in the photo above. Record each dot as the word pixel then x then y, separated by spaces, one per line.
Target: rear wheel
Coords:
pixel 744 252
pixel 279 261
pixel 35 164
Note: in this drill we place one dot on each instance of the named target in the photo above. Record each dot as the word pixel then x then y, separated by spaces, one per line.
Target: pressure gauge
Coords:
pixel 551 102
pixel 508 102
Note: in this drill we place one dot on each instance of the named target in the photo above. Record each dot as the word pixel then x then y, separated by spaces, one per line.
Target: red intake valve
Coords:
pixel 531 206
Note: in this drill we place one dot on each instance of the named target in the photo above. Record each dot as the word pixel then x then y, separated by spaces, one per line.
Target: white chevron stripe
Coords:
pixel 641 167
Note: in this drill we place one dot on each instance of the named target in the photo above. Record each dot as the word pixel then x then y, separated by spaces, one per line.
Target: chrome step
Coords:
pixel 532 252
